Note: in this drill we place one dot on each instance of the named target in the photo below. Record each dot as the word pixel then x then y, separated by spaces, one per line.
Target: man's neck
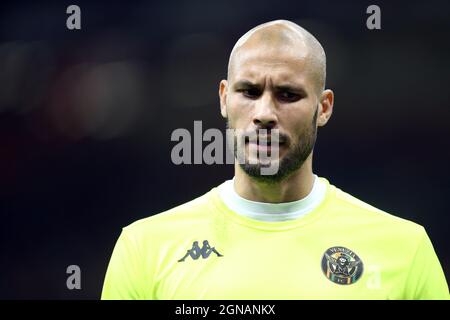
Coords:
pixel 297 186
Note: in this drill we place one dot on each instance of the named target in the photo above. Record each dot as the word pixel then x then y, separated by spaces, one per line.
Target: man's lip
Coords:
pixel 268 145
pixel 268 142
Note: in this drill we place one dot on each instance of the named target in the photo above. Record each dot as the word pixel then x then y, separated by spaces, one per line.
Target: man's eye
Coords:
pixel 288 96
pixel 250 93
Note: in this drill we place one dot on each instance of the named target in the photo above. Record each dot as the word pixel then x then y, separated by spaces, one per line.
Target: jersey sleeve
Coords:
pixel 426 279
pixel 125 277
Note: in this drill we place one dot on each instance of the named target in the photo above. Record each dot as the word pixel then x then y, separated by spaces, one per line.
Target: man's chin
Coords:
pixel 263 172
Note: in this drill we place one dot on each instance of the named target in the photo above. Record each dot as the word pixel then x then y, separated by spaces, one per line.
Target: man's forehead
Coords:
pixel 279 64
pixel 254 76
pixel 268 52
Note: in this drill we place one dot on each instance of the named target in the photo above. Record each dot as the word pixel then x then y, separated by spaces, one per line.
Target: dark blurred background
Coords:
pixel 86 118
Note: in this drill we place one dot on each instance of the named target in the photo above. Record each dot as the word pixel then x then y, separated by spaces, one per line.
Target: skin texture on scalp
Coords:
pixel 284 35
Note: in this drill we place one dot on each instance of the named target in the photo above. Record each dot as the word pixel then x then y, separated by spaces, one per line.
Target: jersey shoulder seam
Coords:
pixel 368 208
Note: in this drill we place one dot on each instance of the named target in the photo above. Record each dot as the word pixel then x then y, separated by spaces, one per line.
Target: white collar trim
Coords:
pixel 272 211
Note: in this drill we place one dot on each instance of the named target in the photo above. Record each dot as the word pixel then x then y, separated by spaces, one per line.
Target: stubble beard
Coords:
pixel 294 159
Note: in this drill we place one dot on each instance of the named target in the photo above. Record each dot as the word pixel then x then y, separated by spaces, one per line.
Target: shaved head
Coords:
pixel 276 81
pixel 281 36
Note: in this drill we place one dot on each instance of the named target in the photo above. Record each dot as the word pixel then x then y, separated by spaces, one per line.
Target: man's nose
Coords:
pixel 265 112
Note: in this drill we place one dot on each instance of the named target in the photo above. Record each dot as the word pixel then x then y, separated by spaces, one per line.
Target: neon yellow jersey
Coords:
pixel 343 249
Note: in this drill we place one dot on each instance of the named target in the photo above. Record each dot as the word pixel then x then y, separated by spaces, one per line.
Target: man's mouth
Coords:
pixel 265 141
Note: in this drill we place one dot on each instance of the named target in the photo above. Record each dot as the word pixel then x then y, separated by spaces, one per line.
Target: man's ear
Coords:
pixel 223 87
pixel 325 107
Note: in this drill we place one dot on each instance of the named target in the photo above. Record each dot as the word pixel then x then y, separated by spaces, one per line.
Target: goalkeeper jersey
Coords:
pixel 342 249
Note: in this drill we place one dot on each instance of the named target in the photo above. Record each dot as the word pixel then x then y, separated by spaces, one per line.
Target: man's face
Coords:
pixel 273 89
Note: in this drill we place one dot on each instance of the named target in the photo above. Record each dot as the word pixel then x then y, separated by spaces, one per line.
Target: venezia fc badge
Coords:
pixel 341 265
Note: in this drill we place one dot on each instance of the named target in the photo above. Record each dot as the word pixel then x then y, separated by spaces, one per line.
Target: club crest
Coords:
pixel 341 265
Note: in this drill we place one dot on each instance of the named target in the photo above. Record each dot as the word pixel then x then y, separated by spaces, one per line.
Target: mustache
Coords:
pixel 263 135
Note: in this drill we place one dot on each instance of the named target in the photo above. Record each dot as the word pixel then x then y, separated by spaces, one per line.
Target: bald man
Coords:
pixel 286 235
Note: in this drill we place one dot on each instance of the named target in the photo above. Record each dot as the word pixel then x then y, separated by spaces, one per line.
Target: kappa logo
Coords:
pixel 341 265
pixel 196 252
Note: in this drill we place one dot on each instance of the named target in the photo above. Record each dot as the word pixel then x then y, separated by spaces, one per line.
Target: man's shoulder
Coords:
pixel 183 215
pixel 352 207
